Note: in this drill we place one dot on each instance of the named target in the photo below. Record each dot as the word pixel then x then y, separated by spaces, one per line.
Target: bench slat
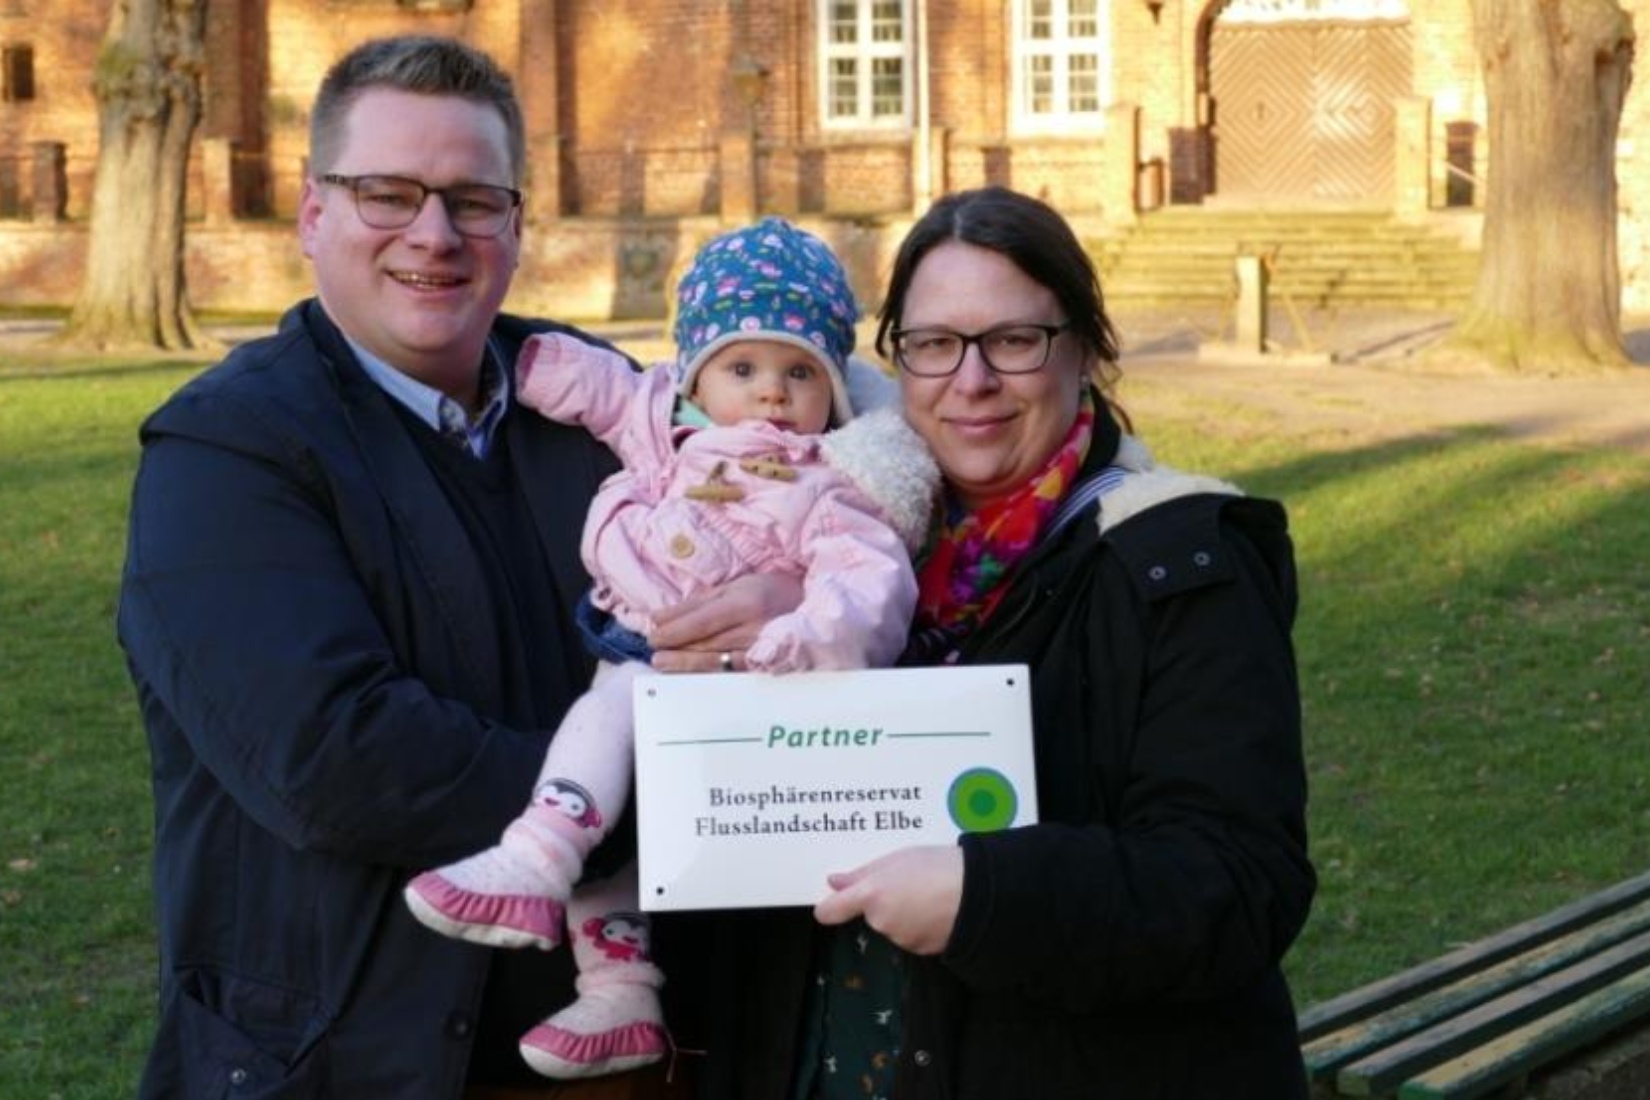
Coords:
pixel 1535 1044
pixel 1385 1069
pixel 1379 995
pixel 1329 1052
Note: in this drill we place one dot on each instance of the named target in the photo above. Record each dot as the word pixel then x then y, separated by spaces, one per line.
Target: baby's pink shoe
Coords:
pixel 510 895
pixel 607 1030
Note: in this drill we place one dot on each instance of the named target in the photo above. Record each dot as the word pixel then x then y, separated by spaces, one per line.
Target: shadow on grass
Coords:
pixel 1475 625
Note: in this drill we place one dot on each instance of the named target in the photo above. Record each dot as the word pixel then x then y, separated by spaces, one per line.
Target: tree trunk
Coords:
pixel 148 88
pixel 1548 297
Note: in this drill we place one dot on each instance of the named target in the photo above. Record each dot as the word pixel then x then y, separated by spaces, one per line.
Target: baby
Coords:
pixel 743 455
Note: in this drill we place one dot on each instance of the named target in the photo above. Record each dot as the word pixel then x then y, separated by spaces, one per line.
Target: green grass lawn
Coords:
pixel 77 994
pixel 1473 644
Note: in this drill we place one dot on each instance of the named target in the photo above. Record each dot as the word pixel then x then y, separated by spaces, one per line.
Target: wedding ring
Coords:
pixel 727 661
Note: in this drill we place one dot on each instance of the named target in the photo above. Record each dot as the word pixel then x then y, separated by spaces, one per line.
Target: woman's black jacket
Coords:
pixel 1128 945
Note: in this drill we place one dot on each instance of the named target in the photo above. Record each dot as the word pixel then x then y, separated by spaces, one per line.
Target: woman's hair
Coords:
pixel 1035 238
pixel 425 65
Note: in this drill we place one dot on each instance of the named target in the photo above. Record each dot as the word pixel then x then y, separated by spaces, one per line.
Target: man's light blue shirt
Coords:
pixel 437 409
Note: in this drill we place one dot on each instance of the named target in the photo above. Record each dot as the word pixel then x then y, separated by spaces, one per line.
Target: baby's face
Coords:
pixel 765 380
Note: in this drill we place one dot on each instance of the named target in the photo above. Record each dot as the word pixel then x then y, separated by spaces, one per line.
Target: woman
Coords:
pixel 1128 945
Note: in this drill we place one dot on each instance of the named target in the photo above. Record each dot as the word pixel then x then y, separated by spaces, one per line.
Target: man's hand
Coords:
pixel 911 896
pixel 693 635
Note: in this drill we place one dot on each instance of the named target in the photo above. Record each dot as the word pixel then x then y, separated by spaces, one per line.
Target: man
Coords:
pixel 347 610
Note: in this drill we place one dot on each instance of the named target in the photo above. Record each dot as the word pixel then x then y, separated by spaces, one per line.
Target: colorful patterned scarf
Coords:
pixel 970 553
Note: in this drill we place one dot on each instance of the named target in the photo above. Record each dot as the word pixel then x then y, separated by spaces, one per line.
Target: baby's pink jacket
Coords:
pixel 648 545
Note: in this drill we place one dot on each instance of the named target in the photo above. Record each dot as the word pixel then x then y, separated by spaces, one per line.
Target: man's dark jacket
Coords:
pixel 318 656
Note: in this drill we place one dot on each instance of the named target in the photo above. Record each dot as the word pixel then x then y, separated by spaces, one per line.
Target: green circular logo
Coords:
pixel 982 800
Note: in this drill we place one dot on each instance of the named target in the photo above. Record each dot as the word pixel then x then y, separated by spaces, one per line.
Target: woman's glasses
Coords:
pixel 1006 349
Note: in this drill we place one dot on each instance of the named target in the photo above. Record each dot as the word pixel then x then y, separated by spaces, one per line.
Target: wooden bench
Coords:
pixel 1487 1015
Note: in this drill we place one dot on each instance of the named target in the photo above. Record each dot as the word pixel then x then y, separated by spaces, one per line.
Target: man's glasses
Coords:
pixel 393 202
pixel 1006 349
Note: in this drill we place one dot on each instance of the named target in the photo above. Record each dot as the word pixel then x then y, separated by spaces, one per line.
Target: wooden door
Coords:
pixel 1304 111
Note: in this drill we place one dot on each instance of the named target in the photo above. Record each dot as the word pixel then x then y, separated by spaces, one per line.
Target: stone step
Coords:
pixel 1348 289
pixel 1319 258
pixel 1320 292
pixel 1348 283
pixel 1181 270
pixel 1172 216
pixel 1225 273
pixel 1417 302
pixel 1211 244
pixel 1279 233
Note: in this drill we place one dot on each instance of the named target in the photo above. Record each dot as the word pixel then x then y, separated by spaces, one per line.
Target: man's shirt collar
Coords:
pixel 438 410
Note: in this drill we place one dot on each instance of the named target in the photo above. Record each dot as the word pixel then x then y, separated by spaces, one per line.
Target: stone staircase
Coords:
pixel 1321 259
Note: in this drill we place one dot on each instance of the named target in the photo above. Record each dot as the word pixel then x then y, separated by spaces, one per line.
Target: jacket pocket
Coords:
pixel 241 1038
pixel 689 543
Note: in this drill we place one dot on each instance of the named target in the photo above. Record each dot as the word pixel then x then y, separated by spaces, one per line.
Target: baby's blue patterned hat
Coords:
pixel 768 281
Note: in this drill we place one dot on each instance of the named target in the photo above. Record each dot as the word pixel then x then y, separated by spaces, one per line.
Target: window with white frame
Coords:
pixel 1062 64
pixel 865 63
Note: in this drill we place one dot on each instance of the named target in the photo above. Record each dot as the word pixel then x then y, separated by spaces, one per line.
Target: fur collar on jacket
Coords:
pixel 1149 484
pixel 882 455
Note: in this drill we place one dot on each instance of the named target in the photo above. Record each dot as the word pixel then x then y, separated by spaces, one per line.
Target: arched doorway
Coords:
pixel 1301 98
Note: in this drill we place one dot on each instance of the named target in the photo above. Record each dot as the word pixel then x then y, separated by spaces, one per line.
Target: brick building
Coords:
pixel 654 122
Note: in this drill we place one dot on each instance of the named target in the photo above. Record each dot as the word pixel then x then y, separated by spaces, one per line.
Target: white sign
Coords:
pixel 750 789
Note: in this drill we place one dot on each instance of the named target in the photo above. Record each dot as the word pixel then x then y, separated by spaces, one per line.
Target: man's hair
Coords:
pixel 424 65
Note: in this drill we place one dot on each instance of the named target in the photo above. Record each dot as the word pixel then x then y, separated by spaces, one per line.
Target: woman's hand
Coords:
pixel 694 635
pixel 911 896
